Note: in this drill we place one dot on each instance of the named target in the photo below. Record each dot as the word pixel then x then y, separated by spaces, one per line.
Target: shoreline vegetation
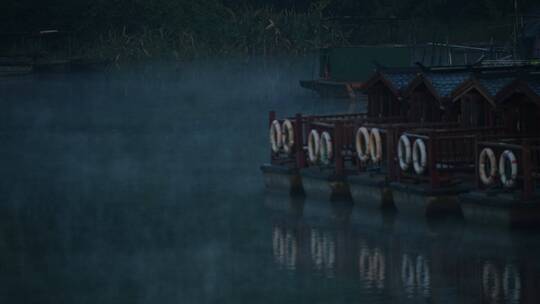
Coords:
pixel 133 31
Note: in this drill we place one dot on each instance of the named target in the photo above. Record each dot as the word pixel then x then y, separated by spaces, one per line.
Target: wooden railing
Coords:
pixel 340 125
pixel 450 153
pixel 390 133
pixel 295 158
pixel 527 152
pixel 343 134
pixel 337 117
pixel 342 139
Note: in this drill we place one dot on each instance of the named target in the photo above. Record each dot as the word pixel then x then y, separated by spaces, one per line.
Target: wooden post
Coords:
pixel 390 153
pixel 432 160
pixel 527 174
pixel 397 134
pixel 356 160
pixel 306 134
pixel 271 117
pixel 338 148
pixel 477 163
pixel 299 142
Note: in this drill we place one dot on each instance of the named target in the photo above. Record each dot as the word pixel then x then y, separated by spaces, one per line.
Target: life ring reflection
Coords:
pixel 512 284
pixel 323 251
pixel 372 267
pixel 415 275
pixel 407 275
pixel 422 276
pixel 285 247
pixel 491 282
pixel 498 285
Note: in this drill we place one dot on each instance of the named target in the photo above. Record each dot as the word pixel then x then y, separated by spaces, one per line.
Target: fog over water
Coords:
pixel 143 186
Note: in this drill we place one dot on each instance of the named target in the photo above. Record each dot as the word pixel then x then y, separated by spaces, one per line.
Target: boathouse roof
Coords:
pixel 441 82
pixel 493 86
pixel 400 79
pixel 451 82
pixel 445 83
pixel 491 79
pixel 396 79
pixel 528 86
pixel 488 86
pixel 495 83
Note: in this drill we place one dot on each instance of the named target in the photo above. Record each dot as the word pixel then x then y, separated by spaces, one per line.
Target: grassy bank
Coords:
pixel 127 31
pixel 243 33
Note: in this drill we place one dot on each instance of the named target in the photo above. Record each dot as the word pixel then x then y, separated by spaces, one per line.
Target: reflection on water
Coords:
pixel 285 245
pixel 372 267
pixel 428 262
pixel 498 284
pixel 323 251
pixel 415 275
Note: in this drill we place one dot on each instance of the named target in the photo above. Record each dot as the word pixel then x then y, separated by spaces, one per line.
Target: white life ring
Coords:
pixel 326 152
pixel 487 154
pixel 419 156
pixel 275 136
pixel 508 182
pixel 362 144
pixel 404 152
pixel 313 146
pixel 287 136
pixel 375 147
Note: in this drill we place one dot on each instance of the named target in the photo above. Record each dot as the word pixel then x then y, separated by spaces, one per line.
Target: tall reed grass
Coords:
pixel 245 32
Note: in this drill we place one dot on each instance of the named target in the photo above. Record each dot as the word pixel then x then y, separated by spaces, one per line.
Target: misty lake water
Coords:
pixel 143 186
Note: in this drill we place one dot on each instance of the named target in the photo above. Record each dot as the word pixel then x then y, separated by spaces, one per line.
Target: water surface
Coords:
pixel 142 186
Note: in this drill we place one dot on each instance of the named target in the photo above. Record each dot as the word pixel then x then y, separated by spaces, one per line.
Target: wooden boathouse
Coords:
pixel 430 92
pixel 385 90
pixel 520 103
pixel 474 101
pixel 417 148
